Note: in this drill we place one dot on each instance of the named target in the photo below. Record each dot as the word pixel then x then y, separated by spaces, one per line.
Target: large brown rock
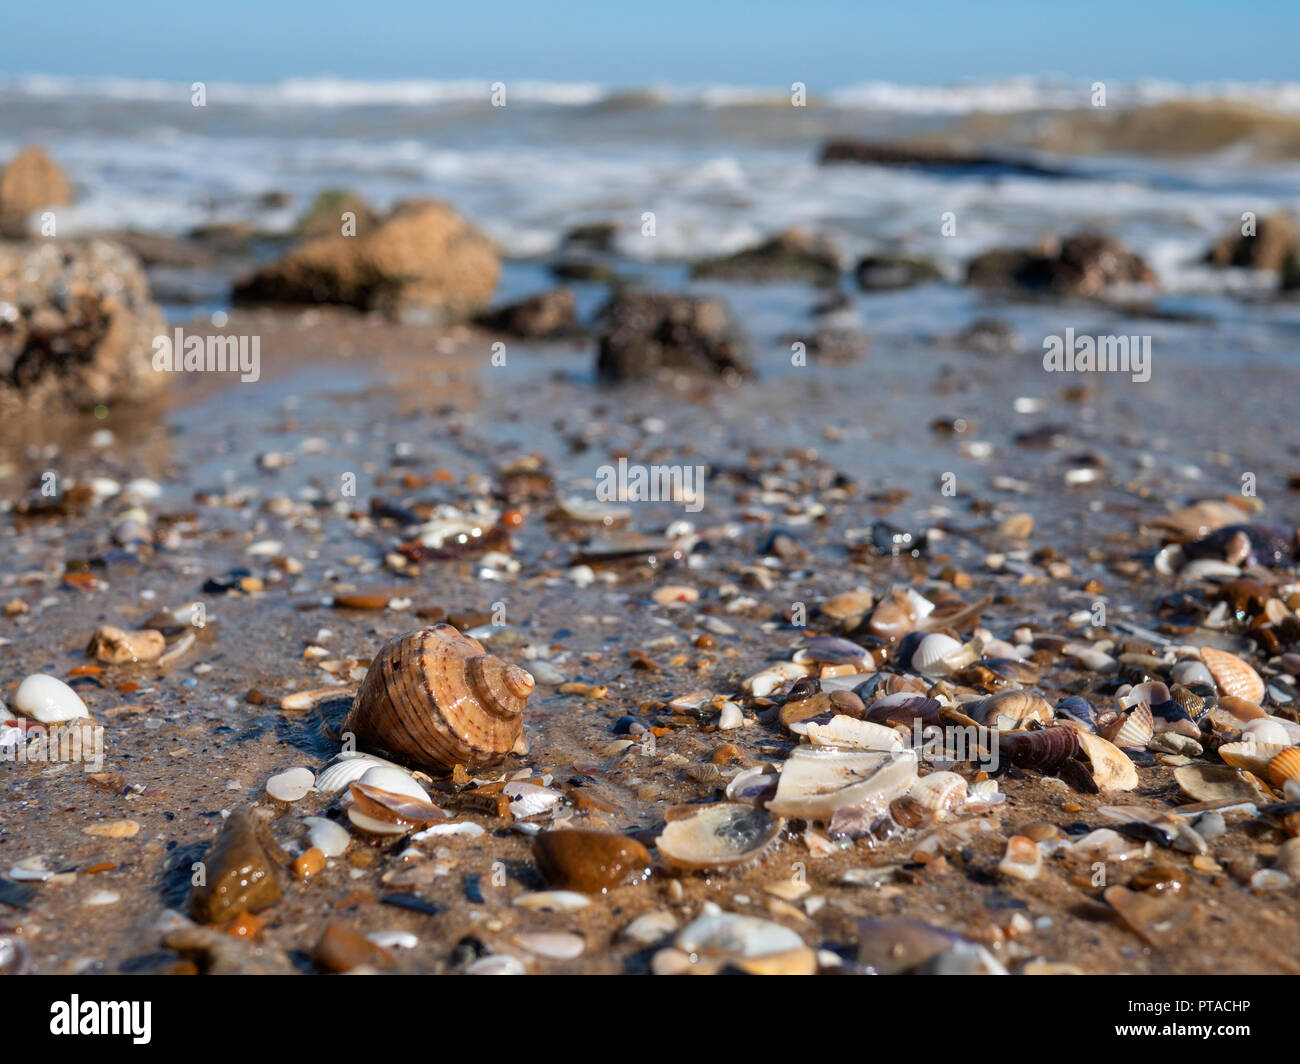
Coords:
pixel 77 325
pixel 325 215
pixel 30 181
pixel 1275 239
pixel 645 333
pixel 423 260
pixel 1082 266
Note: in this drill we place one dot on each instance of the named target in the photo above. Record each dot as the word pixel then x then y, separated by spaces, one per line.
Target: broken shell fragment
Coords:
pixel 1023 859
pixel 390 807
pixel 750 943
pixel 816 781
pixel 437 699
pixel 1109 768
pixel 848 733
pixel 1133 730
pixel 720 837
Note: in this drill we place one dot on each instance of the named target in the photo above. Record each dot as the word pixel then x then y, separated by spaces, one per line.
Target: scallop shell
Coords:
pixel 1253 757
pixel 816 781
pixel 1133 729
pixel 1232 675
pixel 348 768
pixel 939 792
pixel 719 837
pixel 435 698
pixel 848 733
pixel 1110 768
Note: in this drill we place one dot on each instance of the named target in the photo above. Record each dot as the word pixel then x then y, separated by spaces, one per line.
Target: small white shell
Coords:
pixel 1023 859
pixel 929 658
pixel 347 768
pixel 290 786
pixel 939 792
pixel 1266 730
pixel 771 679
pixel 557 901
pixel 395 781
pixel 816 781
pixel 375 826
pixel 330 838
pixel 49 700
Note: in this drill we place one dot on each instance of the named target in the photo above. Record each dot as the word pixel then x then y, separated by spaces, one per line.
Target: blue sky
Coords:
pixel 758 42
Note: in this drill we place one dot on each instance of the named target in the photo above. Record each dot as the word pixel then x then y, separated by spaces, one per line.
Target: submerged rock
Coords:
pixel 930 158
pixel 543 316
pixel 1085 265
pixel 648 332
pixel 423 260
pixel 77 325
pixel 883 273
pixel 238 873
pixel 1275 241
pixel 788 256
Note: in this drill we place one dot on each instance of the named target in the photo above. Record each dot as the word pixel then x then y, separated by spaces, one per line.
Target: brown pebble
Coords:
pixel 705 642
pixel 342 949
pixel 589 861
pixel 1159 878
pixel 254 697
pixel 361 858
pixel 309 863
pixel 362 601
pixel 849 704
pixel 1041 832
pixel 239 873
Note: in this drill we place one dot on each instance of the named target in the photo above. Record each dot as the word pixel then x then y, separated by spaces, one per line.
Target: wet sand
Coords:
pixel 821 453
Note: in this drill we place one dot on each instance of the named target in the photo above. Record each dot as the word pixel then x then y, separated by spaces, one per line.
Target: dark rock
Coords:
pixel 1290 274
pixel 76 325
pixel 989 336
pixel 882 273
pixel 932 158
pixel 644 333
pixel 834 345
pixel 423 259
pixel 594 236
pixel 539 317
pixel 584 269
pixel 788 256
pixel 154 250
pixel 1082 266
pixel 1275 241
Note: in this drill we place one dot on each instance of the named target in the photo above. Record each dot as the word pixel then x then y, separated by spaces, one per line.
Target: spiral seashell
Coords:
pixel 719 837
pixel 1232 675
pixel 435 698
pixel 1285 766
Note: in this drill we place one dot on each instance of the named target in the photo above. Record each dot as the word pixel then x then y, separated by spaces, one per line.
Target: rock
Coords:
pixel 593 236
pixel 77 326
pixel 589 861
pixel 931 158
pixel 584 268
pixel 545 315
pixel 883 273
pixel 324 218
pixel 342 949
pixel 1275 240
pixel 1084 266
pixel 988 336
pixel 788 256
pixel 117 647
pixel 219 953
pixel 30 181
pixel 644 333
pixel 154 250
pixel 1291 274
pixel 239 873
pixel 834 345
pixel 421 262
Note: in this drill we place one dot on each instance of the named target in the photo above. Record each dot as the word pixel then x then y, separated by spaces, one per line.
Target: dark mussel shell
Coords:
pixel 804 687
pixel 888 539
pixel 1078 709
pixel 904 708
pixel 832 650
pixel 1043 751
pixel 1246 544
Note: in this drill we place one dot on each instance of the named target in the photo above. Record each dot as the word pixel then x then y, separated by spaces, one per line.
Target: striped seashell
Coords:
pixel 1253 757
pixel 348 768
pixel 1233 676
pixel 939 792
pixel 435 698
pixel 849 733
pixel 1132 730
pixel 1285 767
pixel 938 655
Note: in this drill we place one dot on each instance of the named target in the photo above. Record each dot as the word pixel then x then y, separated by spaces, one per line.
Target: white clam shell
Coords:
pixel 290 786
pixel 345 769
pixel 330 838
pixel 49 700
pixel 395 781
pixel 557 901
pixel 928 658
pixel 1267 730
pixel 730 934
pixel 374 826
pixel 816 781
pixel 771 679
